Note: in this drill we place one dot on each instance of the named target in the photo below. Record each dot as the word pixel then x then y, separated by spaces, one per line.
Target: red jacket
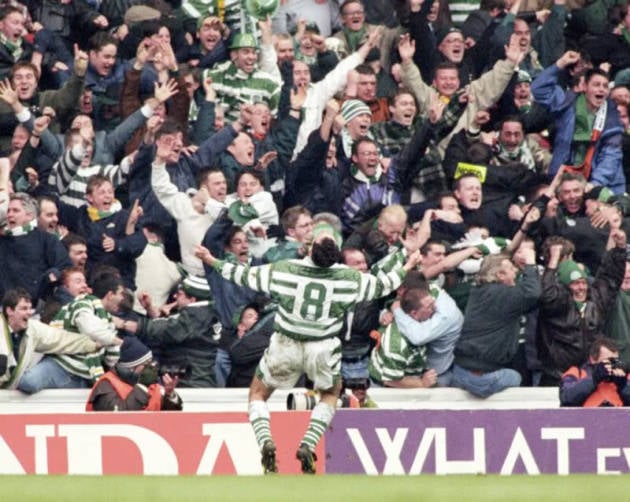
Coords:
pixel 123 391
pixel 578 389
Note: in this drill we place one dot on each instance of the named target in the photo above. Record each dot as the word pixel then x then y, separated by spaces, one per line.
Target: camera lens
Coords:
pixel 300 401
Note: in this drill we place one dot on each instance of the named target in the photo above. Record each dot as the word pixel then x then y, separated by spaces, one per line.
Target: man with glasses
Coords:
pixel 369 187
pixel 297 225
pixel 436 45
pixel 356 31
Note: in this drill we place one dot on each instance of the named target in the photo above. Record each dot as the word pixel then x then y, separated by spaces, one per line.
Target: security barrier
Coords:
pixel 560 441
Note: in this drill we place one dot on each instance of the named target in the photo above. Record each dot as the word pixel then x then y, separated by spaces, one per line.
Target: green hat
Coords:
pixel 196 286
pixel 569 271
pixel 325 228
pixel 523 76
pixel 622 78
pixel 243 40
pixel 442 33
pixel 352 108
pixel 261 9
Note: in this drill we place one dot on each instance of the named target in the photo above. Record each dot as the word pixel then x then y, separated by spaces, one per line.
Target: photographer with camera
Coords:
pixel 602 381
pixel 354 393
pixel 574 309
pixel 133 383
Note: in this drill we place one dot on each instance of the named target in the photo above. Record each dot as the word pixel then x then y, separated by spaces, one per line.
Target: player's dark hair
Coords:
pixel 488 5
pixel 325 253
pixel 424 250
pixel 9 9
pixel 100 40
pixel 391 100
pixel 511 118
pixel 365 69
pixel 232 231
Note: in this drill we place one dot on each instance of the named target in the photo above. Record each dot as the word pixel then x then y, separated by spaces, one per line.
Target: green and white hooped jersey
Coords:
pixel 312 301
pixel 88 366
pixel 396 357
pixel 231 12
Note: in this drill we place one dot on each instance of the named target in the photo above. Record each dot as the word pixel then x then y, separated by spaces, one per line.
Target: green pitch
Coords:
pixel 326 488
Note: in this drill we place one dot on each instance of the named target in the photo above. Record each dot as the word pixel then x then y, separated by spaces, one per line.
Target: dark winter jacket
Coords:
pixel 310 183
pixel 564 334
pixel 489 338
pixel 28 260
pixel 128 247
pixel 188 339
pixel 245 353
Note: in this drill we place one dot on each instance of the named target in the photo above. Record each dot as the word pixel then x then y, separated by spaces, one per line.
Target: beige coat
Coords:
pixel 339 44
pixel 38 338
pixel 485 92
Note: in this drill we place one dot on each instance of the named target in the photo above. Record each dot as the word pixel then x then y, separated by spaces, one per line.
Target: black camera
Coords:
pixel 173 370
pixel 356 383
pixel 350 400
pixel 615 363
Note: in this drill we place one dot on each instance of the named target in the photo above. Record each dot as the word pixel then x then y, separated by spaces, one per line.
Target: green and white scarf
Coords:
pixel 522 154
pixel 21 230
pixel 361 176
pixel 15 48
pixel 242 212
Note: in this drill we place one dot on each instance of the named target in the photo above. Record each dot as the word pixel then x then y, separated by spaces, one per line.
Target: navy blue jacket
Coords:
pixel 27 260
pixel 182 173
pixel 606 168
pixel 228 297
pixel 128 247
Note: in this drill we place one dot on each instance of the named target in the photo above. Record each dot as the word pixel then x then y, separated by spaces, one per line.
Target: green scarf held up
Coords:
pixel 625 33
pixel 354 38
pixel 583 130
pixel 242 212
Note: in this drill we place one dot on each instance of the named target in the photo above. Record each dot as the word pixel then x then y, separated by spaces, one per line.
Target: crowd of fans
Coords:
pixel 492 136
